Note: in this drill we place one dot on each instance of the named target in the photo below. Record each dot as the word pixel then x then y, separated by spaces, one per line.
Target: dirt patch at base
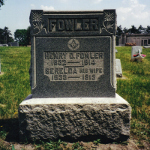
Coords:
pixel 1 73
pixel 130 145
pixel 123 78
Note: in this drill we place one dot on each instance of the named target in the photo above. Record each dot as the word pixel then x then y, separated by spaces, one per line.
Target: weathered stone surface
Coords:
pixel 74 118
pixel 73 53
pixel 118 68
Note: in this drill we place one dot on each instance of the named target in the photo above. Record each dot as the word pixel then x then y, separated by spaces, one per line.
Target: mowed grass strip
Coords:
pixel 14 83
pixel 135 88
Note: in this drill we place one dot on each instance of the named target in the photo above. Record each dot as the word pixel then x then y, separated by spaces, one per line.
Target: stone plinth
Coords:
pixel 75 118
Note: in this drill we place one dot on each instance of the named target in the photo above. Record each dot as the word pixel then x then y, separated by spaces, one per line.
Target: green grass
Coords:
pixel 133 87
pixel 136 88
pixel 14 83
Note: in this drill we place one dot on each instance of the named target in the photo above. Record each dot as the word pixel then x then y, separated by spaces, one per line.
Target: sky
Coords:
pixel 15 13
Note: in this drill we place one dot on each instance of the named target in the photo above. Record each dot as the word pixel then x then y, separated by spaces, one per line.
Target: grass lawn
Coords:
pixel 14 81
pixel 14 87
pixel 135 88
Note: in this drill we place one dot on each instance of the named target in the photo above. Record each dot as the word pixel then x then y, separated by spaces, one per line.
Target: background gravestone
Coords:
pixel 73 79
pixel 13 44
pixel 146 46
pixel 118 68
pixel 135 50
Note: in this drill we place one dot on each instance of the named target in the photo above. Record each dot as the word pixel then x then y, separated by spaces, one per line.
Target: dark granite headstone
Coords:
pixel 13 44
pixel 73 53
pixel 73 79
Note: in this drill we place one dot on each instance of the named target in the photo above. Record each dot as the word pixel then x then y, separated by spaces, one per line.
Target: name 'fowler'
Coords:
pixel 73 25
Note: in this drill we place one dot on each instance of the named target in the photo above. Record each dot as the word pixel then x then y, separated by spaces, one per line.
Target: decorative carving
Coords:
pixel 108 23
pixel 73 44
pixel 37 22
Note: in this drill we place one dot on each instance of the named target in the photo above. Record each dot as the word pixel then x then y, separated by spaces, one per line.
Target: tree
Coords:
pixel 118 34
pixel 140 29
pixel 21 36
pixel 1 36
pixel 148 29
pixel 28 36
pixel 1 2
pixel 133 30
pixel 125 30
pixel 5 36
pixel 119 30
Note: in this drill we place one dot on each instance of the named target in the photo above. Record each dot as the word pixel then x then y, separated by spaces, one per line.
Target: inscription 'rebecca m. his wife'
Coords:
pixel 73 25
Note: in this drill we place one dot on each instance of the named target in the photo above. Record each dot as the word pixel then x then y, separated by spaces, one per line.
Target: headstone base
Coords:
pixel 75 118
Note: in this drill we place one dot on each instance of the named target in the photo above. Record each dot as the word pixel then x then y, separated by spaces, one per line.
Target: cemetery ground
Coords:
pixel 134 87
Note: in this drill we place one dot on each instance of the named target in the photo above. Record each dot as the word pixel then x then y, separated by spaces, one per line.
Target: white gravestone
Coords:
pixel 118 68
pixel 135 50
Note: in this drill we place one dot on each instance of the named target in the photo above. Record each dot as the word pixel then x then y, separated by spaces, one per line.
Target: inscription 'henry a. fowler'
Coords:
pixel 73 25
pixel 73 66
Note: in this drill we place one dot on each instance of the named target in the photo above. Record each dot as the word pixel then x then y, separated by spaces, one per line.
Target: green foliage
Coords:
pixel 3 134
pixel 148 29
pixel 13 148
pixel 5 36
pixel 14 83
pixel 50 145
pixel 3 147
pixel 140 130
pixel 77 146
pixel 28 36
pixel 119 30
pixel 21 36
pixel 1 2
pixel 136 88
pixel 133 30
pixel 96 142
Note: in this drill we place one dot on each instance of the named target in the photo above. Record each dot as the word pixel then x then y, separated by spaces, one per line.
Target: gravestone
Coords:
pixel 13 44
pixel 70 55
pixel 73 79
pixel 146 46
pixel 118 68
pixel 134 51
pixel 5 45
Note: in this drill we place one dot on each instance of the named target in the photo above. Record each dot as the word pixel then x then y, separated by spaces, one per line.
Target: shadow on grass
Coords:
pixel 11 128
